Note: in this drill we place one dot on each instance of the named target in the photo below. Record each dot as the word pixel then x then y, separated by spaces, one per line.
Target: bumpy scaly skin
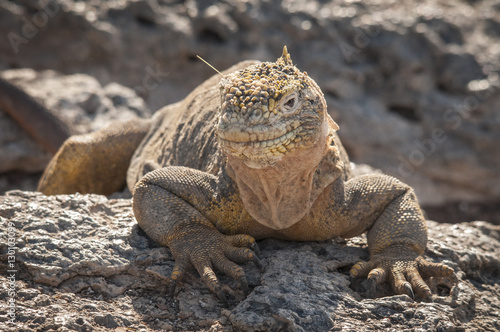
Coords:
pixel 95 162
pixel 189 210
pixel 263 141
pixel 259 104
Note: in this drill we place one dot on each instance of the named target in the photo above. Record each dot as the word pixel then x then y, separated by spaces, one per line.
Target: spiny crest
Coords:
pixel 285 59
pixel 262 85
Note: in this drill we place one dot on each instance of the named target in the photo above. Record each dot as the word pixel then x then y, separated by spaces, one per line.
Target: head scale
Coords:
pixel 269 110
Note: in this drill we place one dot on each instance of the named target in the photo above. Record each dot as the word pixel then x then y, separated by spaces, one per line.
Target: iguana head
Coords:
pixel 268 111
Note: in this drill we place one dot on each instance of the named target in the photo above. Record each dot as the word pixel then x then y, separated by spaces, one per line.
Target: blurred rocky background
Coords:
pixel 414 86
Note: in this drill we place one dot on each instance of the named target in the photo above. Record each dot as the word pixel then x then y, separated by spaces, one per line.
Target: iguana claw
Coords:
pixel 213 250
pixel 405 274
pixel 406 286
pixel 255 247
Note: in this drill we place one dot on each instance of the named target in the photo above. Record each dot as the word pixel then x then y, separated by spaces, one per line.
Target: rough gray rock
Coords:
pixel 413 85
pixel 83 264
pixel 78 99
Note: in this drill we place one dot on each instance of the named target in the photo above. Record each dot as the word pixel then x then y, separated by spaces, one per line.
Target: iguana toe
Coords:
pixel 405 274
pixel 210 253
pixel 438 270
pixel 399 270
pixel 361 269
pixel 226 266
pixel 180 268
pixel 379 275
pixel 418 283
pixel 210 279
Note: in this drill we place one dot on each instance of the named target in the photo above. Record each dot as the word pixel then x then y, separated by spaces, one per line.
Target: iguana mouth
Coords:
pixel 236 144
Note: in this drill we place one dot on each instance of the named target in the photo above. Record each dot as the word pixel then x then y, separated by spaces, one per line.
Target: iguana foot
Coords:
pixel 213 250
pixel 405 274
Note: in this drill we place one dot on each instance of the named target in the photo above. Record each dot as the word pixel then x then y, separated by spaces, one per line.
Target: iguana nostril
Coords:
pixel 256 114
pixel 226 116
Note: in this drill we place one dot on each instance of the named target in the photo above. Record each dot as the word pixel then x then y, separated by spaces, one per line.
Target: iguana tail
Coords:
pixel 34 118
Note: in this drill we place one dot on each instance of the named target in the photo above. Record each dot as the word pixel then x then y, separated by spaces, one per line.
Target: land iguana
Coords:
pixel 249 155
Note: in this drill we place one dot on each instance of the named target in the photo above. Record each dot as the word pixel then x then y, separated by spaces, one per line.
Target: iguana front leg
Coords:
pixel 172 206
pixel 397 234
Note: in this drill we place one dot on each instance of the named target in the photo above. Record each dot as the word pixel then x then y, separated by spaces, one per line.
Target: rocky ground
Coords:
pixel 414 87
pixel 83 264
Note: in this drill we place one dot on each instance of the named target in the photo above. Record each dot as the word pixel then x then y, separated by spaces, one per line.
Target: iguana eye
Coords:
pixel 290 103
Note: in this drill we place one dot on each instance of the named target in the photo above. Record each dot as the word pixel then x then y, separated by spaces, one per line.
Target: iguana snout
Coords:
pixel 269 110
